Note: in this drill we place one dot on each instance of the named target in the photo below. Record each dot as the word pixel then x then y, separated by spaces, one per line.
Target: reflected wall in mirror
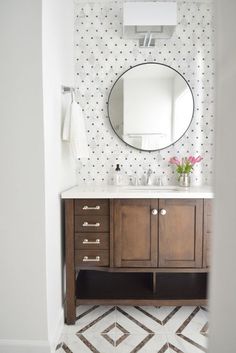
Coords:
pixel 150 106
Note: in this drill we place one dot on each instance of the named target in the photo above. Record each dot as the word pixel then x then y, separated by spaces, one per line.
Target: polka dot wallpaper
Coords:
pixel 101 55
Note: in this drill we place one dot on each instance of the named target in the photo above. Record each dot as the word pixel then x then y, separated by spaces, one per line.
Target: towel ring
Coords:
pixel 71 90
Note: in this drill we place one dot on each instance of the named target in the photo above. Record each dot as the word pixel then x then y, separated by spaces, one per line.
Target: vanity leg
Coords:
pixel 154 282
pixel 70 263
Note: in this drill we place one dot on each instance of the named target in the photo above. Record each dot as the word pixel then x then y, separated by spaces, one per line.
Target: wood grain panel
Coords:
pixel 180 233
pixel 101 221
pixel 92 255
pixel 135 233
pixel 208 210
pixel 92 207
pixel 99 240
pixel 70 262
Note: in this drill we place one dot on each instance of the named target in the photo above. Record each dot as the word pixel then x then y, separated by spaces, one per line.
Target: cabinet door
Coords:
pixel 135 233
pixel 180 233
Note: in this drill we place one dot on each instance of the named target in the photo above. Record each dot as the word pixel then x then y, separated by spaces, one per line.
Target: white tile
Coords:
pixel 183 345
pixel 161 313
pixel 97 341
pixel 100 319
pixel 82 309
pixel 74 345
pixel 139 324
pixel 175 344
pixel 101 57
pixel 143 343
pixel 132 319
pixel 129 343
pixel 193 348
pixel 117 333
pixel 193 329
pixel 60 350
pixel 178 319
pixel 156 344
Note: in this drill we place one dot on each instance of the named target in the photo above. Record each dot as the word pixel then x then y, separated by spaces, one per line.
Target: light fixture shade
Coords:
pixel 156 18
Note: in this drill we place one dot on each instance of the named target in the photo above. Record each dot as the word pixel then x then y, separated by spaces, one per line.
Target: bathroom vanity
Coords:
pixel 136 246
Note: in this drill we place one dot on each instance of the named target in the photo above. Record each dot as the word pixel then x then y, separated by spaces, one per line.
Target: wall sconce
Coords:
pixel 148 21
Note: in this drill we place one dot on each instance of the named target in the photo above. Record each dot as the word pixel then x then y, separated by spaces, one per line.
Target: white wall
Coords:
pixel 22 221
pixel 36 59
pixel 223 284
pixel 58 29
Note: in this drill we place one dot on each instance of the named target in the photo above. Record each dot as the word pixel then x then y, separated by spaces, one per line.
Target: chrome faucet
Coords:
pixel 149 173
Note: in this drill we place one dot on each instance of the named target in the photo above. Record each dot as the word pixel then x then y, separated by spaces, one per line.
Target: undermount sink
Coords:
pixel 152 188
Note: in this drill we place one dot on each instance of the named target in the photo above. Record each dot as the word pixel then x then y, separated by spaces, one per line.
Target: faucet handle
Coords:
pixel 160 181
pixel 134 180
pixel 149 173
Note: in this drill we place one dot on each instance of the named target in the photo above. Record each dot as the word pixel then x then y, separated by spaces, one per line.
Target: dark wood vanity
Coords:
pixel 140 244
pixel 136 251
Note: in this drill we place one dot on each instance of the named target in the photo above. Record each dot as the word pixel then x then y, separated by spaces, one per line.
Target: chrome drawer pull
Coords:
pixel 86 224
pixel 91 208
pixel 86 241
pixel 87 259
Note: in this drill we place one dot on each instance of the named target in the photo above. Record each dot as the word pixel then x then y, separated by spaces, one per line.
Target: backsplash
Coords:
pixel 102 55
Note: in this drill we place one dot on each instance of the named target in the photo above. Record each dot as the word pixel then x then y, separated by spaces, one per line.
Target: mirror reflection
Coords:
pixel 150 106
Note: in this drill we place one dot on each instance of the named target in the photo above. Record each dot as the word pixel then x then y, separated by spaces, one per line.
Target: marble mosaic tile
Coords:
pixel 102 54
pixel 129 329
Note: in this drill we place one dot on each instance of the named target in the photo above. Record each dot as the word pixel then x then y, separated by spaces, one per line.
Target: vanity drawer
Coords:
pixel 92 241
pixel 91 224
pixel 92 207
pixel 92 258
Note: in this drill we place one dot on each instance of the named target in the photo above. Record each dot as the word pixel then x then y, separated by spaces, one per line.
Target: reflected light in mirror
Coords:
pixel 150 106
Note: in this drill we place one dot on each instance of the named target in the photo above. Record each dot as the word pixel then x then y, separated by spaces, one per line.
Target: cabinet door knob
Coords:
pixel 163 212
pixel 154 212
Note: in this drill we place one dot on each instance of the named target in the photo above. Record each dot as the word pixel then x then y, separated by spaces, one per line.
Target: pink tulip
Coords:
pixel 199 159
pixel 186 162
pixel 174 160
pixel 194 160
pixel 191 159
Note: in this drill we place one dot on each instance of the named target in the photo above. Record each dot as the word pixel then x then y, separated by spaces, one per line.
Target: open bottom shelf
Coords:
pixel 95 287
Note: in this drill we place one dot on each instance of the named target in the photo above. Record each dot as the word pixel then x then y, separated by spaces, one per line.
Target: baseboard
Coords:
pixel 23 346
pixel 58 331
pixel 30 346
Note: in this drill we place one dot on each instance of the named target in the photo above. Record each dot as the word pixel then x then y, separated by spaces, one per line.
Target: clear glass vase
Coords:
pixel 184 180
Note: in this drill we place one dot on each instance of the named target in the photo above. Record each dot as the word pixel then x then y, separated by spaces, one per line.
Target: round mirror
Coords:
pixel 150 106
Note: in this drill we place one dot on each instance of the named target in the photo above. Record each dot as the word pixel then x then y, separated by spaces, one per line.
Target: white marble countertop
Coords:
pixel 140 192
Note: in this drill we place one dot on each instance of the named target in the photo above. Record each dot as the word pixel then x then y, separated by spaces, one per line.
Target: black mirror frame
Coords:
pixel 132 67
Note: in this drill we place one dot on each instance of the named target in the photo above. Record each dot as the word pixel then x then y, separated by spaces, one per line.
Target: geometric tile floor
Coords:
pixel 131 329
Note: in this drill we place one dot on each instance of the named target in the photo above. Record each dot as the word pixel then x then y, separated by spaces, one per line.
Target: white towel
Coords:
pixel 66 125
pixel 74 131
